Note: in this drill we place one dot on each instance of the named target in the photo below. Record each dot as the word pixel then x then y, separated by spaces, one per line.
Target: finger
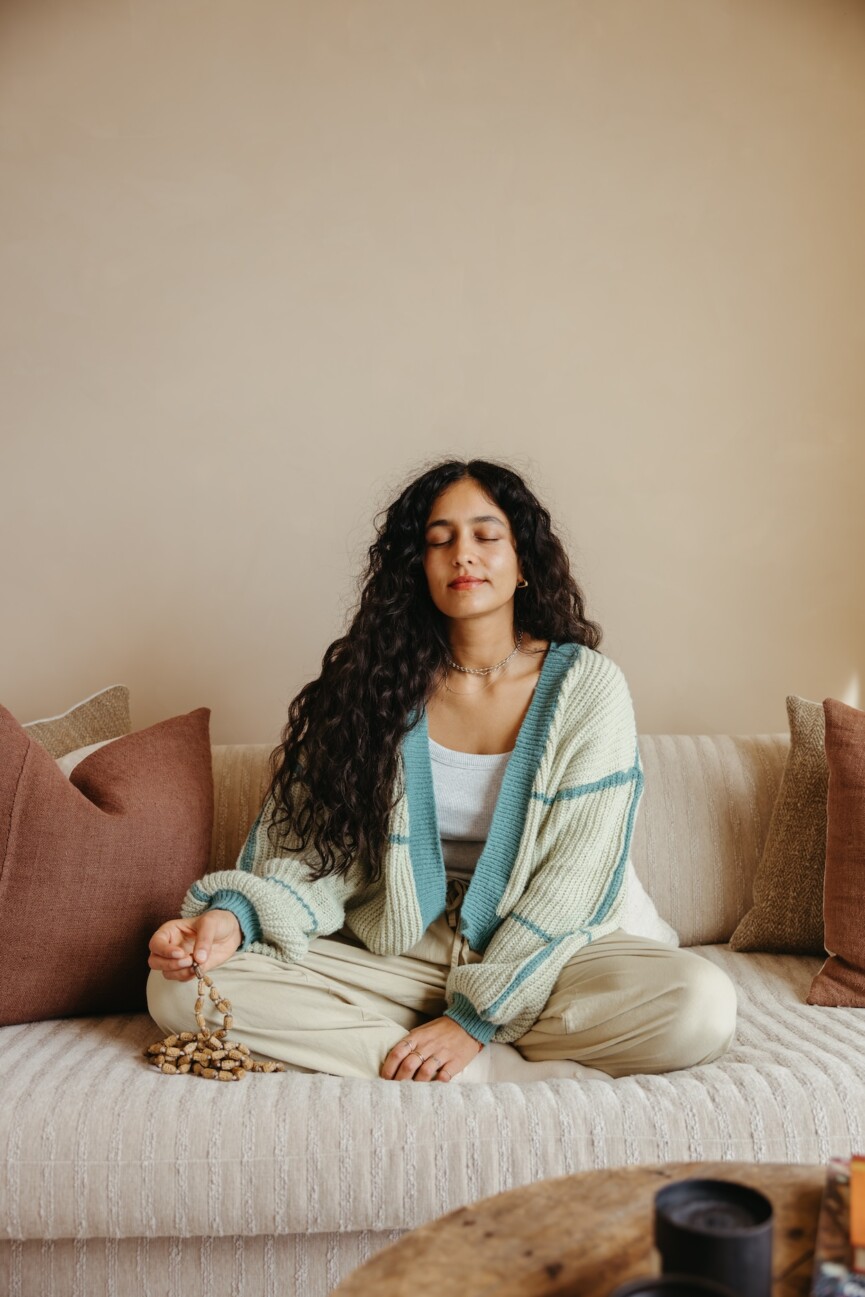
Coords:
pixel 393 1062
pixel 394 1059
pixel 202 950
pixel 166 939
pixel 429 1070
pixel 176 960
pixel 182 975
pixel 411 1063
pixel 200 947
pixel 209 927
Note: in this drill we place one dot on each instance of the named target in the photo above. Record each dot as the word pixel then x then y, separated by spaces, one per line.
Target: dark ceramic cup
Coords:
pixel 718 1230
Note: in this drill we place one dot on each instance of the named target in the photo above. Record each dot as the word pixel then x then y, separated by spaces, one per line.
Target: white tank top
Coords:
pixel 466 787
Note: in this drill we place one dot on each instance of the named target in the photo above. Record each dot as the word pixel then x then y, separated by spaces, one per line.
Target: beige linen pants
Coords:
pixel 622 1005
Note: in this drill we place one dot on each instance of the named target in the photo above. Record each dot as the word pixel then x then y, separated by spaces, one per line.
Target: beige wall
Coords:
pixel 261 261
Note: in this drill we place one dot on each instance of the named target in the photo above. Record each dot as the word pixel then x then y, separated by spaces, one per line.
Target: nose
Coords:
pixel 464 555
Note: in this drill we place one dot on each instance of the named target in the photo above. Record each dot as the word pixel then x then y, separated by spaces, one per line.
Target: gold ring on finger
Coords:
pixel 447 1073
pixel 419 1054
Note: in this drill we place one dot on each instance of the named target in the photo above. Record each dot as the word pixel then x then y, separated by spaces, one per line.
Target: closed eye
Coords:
pixel 486 540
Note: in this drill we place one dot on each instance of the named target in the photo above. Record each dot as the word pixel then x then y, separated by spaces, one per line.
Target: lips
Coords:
pixel 466 583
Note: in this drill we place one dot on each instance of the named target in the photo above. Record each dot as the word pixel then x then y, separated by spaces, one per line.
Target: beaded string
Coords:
pixel 205 1053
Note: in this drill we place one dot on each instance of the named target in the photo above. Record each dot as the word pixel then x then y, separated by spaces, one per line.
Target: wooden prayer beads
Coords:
pixel 207 1053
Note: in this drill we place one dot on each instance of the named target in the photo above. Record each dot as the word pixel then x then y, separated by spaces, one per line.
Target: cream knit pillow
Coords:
pixel 104 715
pixel 787 914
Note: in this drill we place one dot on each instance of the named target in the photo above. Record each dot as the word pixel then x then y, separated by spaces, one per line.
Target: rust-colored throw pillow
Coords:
pixel 841 980
pixel 787 914
pixel 91 865
pixel 102 716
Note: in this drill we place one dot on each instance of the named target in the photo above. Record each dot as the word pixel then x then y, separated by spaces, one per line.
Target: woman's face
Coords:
pixel 470 556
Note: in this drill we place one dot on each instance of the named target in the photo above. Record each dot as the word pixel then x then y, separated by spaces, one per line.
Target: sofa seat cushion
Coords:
pixel 95 1143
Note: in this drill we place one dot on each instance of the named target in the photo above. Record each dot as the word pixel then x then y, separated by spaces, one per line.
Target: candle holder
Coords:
pixel 718 1230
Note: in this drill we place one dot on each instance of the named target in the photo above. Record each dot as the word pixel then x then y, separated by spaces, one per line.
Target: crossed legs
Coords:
pixel 622 1005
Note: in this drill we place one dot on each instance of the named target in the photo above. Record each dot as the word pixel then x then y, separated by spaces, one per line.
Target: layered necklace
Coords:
pixel 487 671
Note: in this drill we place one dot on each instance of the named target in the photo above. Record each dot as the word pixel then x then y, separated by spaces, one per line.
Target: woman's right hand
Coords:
pixel 210 939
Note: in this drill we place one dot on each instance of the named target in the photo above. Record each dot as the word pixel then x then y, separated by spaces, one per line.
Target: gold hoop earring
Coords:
pixel 522 583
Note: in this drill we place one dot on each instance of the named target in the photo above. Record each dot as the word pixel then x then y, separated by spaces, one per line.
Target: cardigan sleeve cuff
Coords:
pixel 465 1013
pixel 243 910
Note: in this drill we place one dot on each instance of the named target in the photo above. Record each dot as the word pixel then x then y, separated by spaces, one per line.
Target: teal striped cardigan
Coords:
pixel 549 880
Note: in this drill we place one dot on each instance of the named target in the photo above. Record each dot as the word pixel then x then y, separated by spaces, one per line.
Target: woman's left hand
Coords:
pixel 437 1051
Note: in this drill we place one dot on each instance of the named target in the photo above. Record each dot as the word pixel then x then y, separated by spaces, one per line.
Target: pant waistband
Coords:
pixel 456 890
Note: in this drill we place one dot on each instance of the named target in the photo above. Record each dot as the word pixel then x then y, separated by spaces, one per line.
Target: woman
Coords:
pixel 442 857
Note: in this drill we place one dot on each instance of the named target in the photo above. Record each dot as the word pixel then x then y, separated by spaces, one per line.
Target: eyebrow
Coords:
pixel 485 517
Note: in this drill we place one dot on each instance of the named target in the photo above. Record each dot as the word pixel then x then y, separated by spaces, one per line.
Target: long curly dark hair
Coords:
pixel 335 771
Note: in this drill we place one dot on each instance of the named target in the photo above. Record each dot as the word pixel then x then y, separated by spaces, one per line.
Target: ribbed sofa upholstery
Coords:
pixel 115 1180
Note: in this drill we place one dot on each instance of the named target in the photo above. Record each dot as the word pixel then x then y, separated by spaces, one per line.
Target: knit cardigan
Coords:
pixel 549 880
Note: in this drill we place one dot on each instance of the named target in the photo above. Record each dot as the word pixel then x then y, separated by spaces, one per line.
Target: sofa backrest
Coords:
pixel 241 778
pixel 702 825
pixel 698 836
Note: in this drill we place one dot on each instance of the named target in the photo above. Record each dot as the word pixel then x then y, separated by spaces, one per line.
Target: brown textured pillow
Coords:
pixel 91 865
pixel 100 717
pixel 787 914
pixel 841 980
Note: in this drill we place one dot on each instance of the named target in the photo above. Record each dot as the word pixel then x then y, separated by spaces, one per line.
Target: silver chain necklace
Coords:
pixel 486 671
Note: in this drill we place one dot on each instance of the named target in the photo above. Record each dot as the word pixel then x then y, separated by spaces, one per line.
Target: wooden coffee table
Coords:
pixel 580 1234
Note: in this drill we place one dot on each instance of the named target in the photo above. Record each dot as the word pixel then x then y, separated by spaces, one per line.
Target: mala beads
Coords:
pixel 206 1053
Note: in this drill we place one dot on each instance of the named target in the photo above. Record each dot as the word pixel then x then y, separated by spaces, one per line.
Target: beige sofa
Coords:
pixel 117 1180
